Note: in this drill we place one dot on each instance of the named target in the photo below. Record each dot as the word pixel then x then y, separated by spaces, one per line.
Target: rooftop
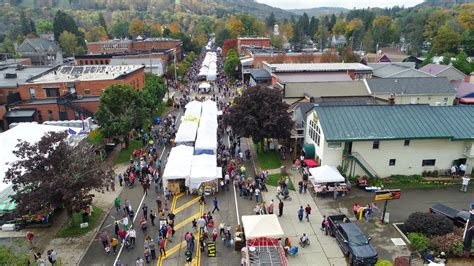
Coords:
pixel 390 122
pixel 253 38
pixel 260 74
pixel 434 69
pixel 416 86
pixel 37 45
pixel 317 67
pixel 312 77
pixel 114 41
pixel 86 73
pixel 9 80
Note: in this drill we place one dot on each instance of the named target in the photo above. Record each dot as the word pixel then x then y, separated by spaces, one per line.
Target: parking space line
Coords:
pixel 173 205
pixel 197 260
pixel 186 205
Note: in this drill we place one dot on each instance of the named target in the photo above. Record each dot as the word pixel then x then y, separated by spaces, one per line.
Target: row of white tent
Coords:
pixel 196 164
pixel 209 66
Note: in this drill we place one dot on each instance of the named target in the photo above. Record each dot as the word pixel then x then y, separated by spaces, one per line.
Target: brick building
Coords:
pixel 67 92
pixel 139 45
pixel 259 42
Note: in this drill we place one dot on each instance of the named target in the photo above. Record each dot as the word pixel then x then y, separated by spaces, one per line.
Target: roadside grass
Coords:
pixel 272 180
pixel 269 159
pixel 414 182
pixel 76 230
pixel 125 154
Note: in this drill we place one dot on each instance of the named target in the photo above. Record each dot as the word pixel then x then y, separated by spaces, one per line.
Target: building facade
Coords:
pixel 261 42
pixel 385 140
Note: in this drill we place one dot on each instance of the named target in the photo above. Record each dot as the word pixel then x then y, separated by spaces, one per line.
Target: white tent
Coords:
pixel 204 85
pixel 180 150
pixel 325 174
pixel 178 165
pixel 201 174
pixel 193 108
pixel 204 159
pixel 256 226
pixel 206 142
pixel 186 132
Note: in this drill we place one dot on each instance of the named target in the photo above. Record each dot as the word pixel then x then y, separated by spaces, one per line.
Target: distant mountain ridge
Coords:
pixel 318 11
pixel 442 3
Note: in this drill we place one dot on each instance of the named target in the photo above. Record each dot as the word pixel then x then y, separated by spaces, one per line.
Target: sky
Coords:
pixel 300 4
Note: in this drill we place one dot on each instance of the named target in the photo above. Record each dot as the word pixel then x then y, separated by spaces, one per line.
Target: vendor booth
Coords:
pixel 203 174
pixel 206 141
pixel 262 233
pixel 186 133
pixel 327 179
pixel 178 168
pixel 193 108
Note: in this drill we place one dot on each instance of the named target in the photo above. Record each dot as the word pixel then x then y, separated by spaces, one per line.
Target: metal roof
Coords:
pixel 312 77
pixel 22 75
pixel 385 122
pixel 260 74
pixel 417 86
pixel 318 67
pixel 37 45
pixel 20 113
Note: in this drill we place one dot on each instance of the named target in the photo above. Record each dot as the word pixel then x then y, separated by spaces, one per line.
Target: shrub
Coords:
pixel 418 241
pixel 429 224
pixel 383 263
pixel 401 261
pixel 451 244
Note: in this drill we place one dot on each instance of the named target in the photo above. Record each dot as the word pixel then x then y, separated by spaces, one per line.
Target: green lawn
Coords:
pixel 76 230
pixel 125 154
pixel 269 159
pixel 413 182
pixel 272 180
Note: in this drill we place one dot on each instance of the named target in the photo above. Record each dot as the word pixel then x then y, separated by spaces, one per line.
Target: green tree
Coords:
pixel 305 23
pixel 121 109
pixel 68 43
pixel 276 41
pixel 384 30
pixel 258 114
pixel 119 29
pixel 340 27
pixel 27 24
pixel 271 21
pixel 73 172
pixel 231 67
pixel 153 92
pixel 446 40
pixel 463 64
pixel 221 36
pixel 64 22
pixel 103 24
pixel 44 26
pixel 322 36
pixel 313 26
pixel 8 46
pixel 298 39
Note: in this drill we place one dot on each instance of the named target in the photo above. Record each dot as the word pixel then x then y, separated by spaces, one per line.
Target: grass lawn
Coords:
pixel 272 180
pixel 76 230
pixel 269 159
pixel 414 181
pixel 416 185
pixel 125 154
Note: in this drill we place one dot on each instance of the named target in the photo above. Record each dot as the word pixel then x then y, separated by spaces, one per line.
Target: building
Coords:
pixel 385 140
pixel 338 40
pixel 69 92
pixel 259 77
pixel 139 45
pixel 167 56
pixel 254 57
pixel 152 65
pixel 40 51
pixel 449 72
pixel 16 61
pixel 252 42
pixel 397 70
pixel 427 90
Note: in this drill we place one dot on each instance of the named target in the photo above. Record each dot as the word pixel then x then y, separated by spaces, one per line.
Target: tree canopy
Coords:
pixel 260 113
pixel 51 174
pixel 153 92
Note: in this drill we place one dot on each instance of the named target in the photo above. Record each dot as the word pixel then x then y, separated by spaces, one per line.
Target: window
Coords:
pixel 50 115
pixel 40 116
pixel 334 145
pixel 406 143
pixel 32 93
pixel 391 162
pixel 314 132
pixel 81 62
pixel 52 92
pixel 376 144
pixel 429 162
pixel 87 91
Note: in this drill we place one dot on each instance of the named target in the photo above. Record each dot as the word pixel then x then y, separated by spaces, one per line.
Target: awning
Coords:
pixel 309 151
pixel 256 226
pixel 20 113
pixel 326 174
pixel 311 163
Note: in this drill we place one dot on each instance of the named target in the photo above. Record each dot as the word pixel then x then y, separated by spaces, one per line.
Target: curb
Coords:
pixel 401 233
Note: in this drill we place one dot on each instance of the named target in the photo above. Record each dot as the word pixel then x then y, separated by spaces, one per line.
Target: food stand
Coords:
pixel 263 247
pixel 327 179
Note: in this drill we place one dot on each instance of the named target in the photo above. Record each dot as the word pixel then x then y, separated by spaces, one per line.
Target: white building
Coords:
pixel 385 140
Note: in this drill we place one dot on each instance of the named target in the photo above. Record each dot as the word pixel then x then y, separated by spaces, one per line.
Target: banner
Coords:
pixel 389 194
pixel 211 249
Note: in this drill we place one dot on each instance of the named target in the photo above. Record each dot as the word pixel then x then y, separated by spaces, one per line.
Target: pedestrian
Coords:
pixel 221 229
pixel 117 204
pixel 114 243
pixel 222 183
pixel 145 211
pixel 170 234
pixel 191 242
pixel 131 213
pixel 257 209
pixel 202 223
pixel 216 205
pixel 214 235
pixel 322 223
pixel 257 194
pixel 356 208
pixel 125 221
pixel 30 236
pixel 194 222
pixel 334 195
pixel 300 213
pixel 158 202
pixel 465 183
pixel 202 199
pixel 326 226
pixel 122 234
pixel 120 178
pixel 270 207
pixel 146 253
pixel 462 169
pixel 152 247
pixel 454 170
pixel 52 256
pixel 139 262
pixel 117 228
pixel 167 194
pixel 280 208
pixel 107 250
pixel 128 206
pixel 104 238
pixel 162 247
pixel 143 224
pixel 152 217
pixel 133 235
pixel 307 210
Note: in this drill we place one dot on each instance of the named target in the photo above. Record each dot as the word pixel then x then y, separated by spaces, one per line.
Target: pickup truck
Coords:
pixel 459 218
pixel 352 240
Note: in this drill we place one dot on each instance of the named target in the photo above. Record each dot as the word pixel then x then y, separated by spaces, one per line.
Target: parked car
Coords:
pixel 353 242
pixel 459 218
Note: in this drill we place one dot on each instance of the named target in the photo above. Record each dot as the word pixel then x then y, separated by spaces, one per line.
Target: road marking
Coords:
pixel 176 248
pixel 173 205
pixel 236 205
pixel 187 221
pixel 197 260
pixel 186 205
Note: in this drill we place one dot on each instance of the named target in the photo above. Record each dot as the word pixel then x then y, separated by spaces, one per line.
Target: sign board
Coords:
pixel 84 225
pixel 211 249
pixel 388 194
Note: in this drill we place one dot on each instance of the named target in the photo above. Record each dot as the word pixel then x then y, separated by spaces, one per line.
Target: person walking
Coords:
pixel 128 206
pixel 125 221
pixel 162 247
pixel 152 217
pixel 300 213
pixel 216 205
pixel 145 211
pixel 117 204
pixel 114 243
pixel 116 228
pixel 146 253
pixel 462 169
pixel 159 202
pixel 104 238
pixel 133 235
pixel 152 247
pixel 454 170
pixel 465 183
pixel 257 194
pixel 202 223
pixel 307 210
pixel 280 208
pixel 270 207
pixel 167 194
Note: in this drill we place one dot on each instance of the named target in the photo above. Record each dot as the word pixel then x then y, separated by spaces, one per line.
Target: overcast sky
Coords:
pixel 299 4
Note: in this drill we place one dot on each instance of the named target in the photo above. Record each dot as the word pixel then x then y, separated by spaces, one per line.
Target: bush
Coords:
pixel 383 263
pixel 429 224
pixel 418 241
pixel 451 244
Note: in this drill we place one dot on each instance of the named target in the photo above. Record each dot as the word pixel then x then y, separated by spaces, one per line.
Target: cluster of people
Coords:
pixel 365 212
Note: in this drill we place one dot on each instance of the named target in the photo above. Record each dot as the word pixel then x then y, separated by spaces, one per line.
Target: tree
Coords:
pixel 235 26
pixel 462 64
pixel 446 40
pixel 258 114
pixel 97 33
pixel 329 57
pixel 153 92
pixel 121 109
pixel 276 41
pixel 63 22
pixel 120 29
pixel 313 26
pixel 258 28
pixel 156 30
pixel 384 30
pixel 223 35
pixel 322 36
pixel 270 21
pixel 68 43
pixel 103 24
pixel 340 27
pixel 136 27
pixel 174 27
pixel 298 39
pixel 466 18
pixel 305 23
pixel 8 46
pixel 349 56
pixel 231 64
pixel 51 174
pixel 27 24
pixel 355 32
pixel 44 26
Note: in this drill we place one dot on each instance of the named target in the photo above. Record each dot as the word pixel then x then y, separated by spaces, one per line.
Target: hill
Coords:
pixel 442 3
pixel 318 11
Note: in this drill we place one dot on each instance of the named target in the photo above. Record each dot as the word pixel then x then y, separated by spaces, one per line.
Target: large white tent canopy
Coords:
pixel 256 226
pixel 178 165
pixel 186 132
pixel 326 174
pixel 193 108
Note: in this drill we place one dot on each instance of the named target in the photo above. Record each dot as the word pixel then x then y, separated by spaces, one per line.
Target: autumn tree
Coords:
pixel 355 32
pixel 276 41
pixel 447 40
pixel 329 57
pixel 136 27
pixel 69 44
pixel 97 33
pixel 258 114
pixel 384 30
pixel 235 26
pixel 174 27
pixel 121 109
pixel 156 30
pixel 349 56
pixel 51 174
pixel 339 28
